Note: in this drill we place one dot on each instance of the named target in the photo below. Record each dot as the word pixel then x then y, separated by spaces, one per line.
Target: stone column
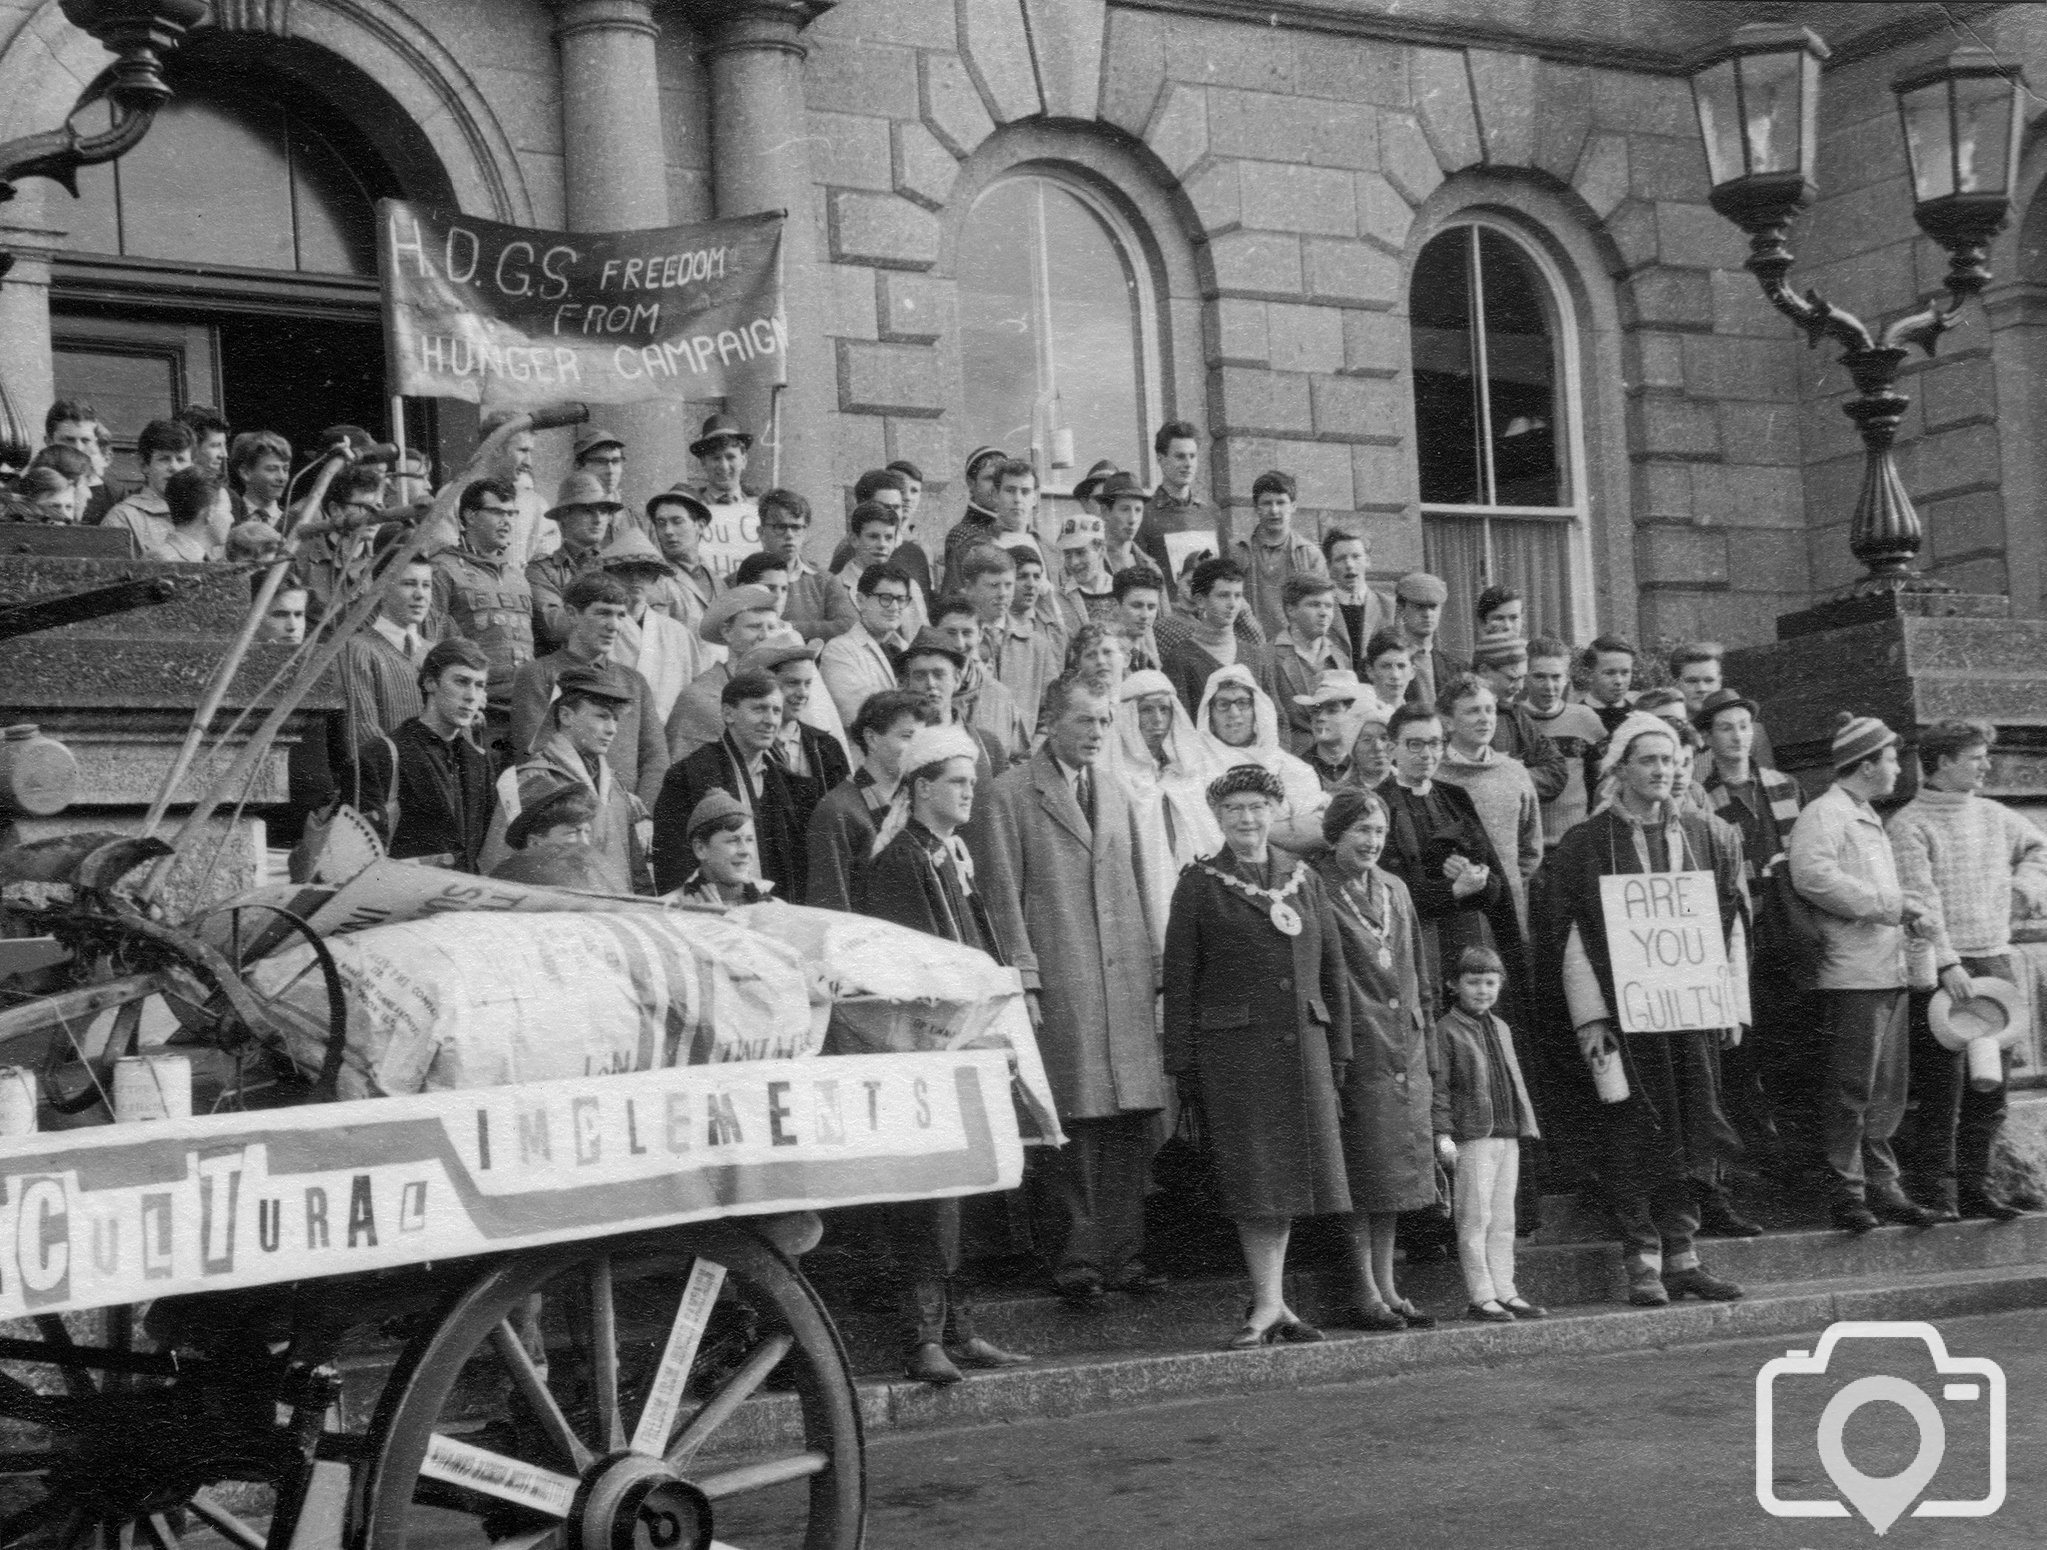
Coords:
pixel 615 178
pixel 760 160
pixel 26 369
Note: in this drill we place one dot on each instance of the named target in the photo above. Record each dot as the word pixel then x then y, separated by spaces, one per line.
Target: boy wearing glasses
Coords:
pixel 861 661
pixel 818 606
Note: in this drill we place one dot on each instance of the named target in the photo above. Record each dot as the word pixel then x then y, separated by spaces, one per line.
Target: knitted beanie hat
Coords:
pixel 1857 738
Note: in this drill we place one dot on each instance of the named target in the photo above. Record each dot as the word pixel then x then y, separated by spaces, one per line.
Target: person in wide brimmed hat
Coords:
pixel 650 640
pixel 1977 862
pixel 583 513
pixel 721 451
pixel 601 453
pixel 739 619
pixel 1338 704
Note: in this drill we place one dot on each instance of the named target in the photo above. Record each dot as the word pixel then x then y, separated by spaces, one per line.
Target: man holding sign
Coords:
pixel 1648 907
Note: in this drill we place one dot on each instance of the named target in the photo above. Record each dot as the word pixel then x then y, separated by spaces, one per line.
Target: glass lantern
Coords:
pixel 1758 103
pixel 1962 127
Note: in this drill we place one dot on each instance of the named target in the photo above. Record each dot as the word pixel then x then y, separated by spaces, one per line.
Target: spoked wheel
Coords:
pixel 595 1398
pixel 107 1447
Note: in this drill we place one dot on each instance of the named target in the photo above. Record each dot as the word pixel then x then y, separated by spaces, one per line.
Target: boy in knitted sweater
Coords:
pixel 1966 856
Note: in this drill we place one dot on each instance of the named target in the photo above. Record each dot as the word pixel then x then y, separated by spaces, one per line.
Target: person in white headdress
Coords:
pixel 1168 766
pixel 920 876
pixel 1237 723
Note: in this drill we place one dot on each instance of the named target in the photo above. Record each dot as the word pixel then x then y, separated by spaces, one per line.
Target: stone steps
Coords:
pixel 1075 1382
pixel 1195 1312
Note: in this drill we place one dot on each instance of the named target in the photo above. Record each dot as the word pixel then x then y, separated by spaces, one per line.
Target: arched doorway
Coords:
pixel 230 258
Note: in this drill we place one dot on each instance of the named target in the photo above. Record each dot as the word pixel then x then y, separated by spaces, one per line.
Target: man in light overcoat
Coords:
pixel 1060 868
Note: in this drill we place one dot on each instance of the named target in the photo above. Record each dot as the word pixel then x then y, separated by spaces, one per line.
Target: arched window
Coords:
pixel 229 180
pixel 229 259
pixel 1055 338
pixel 1496 425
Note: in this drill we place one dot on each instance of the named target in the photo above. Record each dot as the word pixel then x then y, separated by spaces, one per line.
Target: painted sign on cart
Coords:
pixel 510 317
pixel 122 1214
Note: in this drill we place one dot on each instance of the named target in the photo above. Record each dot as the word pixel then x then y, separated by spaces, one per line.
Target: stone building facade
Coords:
pixel 1282 186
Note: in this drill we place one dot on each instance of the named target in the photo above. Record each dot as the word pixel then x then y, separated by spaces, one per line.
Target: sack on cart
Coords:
pixel 484 999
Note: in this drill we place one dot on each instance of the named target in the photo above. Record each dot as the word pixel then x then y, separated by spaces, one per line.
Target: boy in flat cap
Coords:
pixel 577 735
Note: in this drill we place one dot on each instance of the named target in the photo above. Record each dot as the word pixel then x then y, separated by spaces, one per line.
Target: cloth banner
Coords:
pixel 1670 968
pixel 511 318
pixel 126 1213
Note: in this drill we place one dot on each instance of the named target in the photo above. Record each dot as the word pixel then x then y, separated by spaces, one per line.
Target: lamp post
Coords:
pixel 1758 103
pixel 138 33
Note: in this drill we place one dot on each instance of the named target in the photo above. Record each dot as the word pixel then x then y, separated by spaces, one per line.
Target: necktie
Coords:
pixel 1084 793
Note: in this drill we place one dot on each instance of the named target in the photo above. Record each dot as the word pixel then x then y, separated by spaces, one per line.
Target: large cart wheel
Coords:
pixel 104 1446
pixel 592 1397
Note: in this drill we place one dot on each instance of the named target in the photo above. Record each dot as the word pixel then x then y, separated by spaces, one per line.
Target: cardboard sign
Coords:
pixel 122 1214
pixel 1670 968
pixel 509 317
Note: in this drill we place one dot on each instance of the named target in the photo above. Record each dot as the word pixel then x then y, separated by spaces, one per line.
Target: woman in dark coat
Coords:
pixel 1389 1146
pixel 1670 1131
pixel 1258 1033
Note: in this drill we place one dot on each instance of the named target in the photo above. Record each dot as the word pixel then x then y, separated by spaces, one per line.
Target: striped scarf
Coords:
pixel 1780 795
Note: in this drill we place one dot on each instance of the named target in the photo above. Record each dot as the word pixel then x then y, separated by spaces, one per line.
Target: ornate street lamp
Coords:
pixel 1758 103
pixel 138 33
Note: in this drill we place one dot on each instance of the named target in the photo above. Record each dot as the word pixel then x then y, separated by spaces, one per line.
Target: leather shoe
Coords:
pixel 1413 1317
pixel 983 1353
pixel 1648 1292
pixel 1294 1332
pixel 1522 1308
pixel 1701 1283
pixel 1989 1206
pixel 1138 1280
pixel 1719 1219
pixel 1489 1313
pixel 1855 1217
pixel 1083 1290
pixel 1896 1208
pixel 1382 1319
pixel 929 1364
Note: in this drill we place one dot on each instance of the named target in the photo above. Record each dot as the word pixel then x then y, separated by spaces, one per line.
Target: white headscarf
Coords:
pixel 1304 793
pixel 1180 782
pixel 927 745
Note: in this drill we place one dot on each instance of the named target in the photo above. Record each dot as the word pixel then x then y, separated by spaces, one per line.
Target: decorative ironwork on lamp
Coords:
pixel 139 33
pixel 1758 103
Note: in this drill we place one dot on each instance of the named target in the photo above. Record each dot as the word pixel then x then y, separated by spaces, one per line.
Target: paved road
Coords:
pixel 1648 1449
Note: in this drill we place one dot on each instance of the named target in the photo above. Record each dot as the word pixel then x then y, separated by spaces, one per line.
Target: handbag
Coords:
pixel 1184 1166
